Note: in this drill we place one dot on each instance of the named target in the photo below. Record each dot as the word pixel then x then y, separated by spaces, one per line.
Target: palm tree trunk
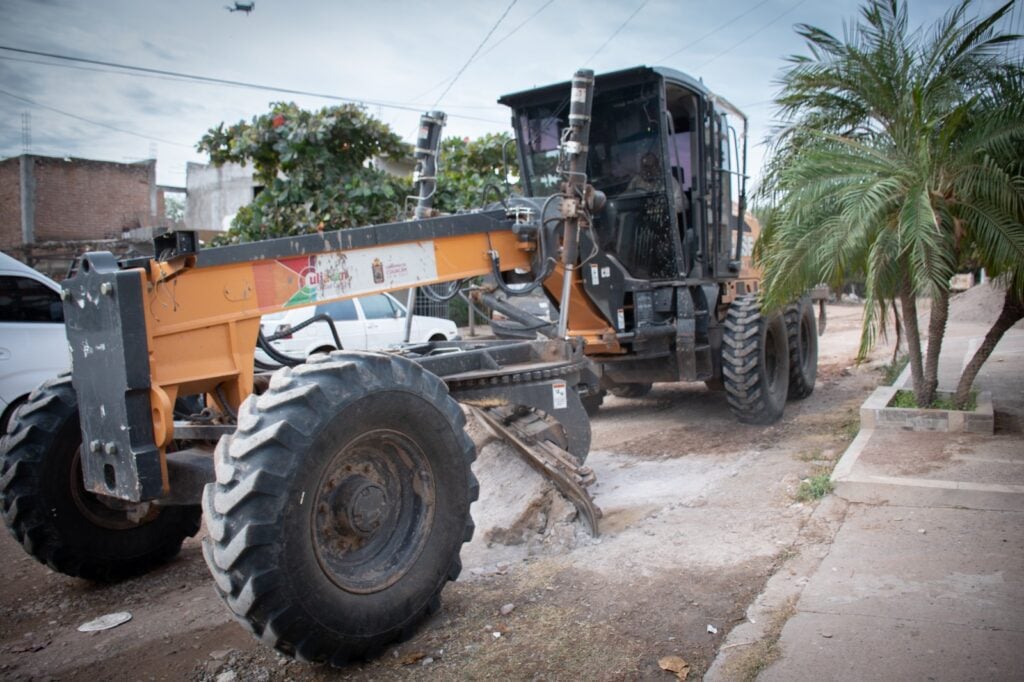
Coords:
pixel 1013 311
pixel 936 333
pixel 908 302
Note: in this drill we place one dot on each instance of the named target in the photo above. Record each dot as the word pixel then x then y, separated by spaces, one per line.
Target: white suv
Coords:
pixel 33 345
pixel 365 323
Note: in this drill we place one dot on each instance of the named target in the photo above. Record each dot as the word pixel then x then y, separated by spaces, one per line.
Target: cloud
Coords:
pixel 157 51
pixel 15 79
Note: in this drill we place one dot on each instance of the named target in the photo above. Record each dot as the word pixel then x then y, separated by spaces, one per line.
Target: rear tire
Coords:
pixel 341 505
pixel 802 330
pixel 755 362
pixel 48 510
pixel 630 390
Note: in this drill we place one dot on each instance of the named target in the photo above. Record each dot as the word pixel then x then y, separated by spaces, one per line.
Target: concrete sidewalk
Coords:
pixel 919 573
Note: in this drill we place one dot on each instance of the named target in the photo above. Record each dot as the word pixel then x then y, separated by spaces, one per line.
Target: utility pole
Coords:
pixel 26 132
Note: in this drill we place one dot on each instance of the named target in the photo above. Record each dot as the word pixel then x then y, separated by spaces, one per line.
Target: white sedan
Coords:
pixel 365 323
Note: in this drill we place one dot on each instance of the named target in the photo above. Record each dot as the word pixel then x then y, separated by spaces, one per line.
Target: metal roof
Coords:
pixel 610 79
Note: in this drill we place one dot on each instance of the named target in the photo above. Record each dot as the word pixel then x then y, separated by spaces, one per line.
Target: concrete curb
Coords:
pixel 876 413
pixel 854 485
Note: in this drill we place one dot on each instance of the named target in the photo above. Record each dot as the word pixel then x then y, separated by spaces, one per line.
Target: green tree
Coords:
pixel 174 208
pixel 316 175
pixel 314 168
pixel 884 169
pixel 999 170
pixel 472 172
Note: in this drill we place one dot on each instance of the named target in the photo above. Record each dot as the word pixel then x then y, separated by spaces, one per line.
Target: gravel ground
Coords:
pixel 698 512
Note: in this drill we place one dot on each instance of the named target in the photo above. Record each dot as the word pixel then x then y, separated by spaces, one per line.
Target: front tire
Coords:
pixel 48 510
pixel 341 505
pixel 755 362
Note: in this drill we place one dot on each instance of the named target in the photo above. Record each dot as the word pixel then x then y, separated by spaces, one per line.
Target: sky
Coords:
pixel 399 57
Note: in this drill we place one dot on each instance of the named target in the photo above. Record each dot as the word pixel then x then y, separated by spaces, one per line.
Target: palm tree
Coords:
pixel 872 173
pixel 995 182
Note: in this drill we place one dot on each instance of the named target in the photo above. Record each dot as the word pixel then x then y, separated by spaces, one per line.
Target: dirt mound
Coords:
pixel 519 513
pixel 981 303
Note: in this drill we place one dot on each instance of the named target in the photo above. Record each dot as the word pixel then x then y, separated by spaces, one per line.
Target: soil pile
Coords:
pixel 519 513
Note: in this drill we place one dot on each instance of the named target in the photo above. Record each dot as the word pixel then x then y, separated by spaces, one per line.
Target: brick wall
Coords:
pixel 83 199
pixel 10 204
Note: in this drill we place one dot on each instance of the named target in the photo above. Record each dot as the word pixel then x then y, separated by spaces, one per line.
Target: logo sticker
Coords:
pixel 327 276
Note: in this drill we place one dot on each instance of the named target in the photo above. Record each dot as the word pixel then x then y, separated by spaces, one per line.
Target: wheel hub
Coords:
pixel 373 511
pixel 360 506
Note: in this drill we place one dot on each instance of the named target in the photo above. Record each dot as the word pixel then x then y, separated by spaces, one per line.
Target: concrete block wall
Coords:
pixel 75 199
pixel 82 199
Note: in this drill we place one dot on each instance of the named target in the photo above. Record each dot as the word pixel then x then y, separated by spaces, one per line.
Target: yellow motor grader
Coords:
pixel 336 491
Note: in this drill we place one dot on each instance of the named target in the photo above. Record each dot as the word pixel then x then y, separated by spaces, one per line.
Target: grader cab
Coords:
pixel 336 491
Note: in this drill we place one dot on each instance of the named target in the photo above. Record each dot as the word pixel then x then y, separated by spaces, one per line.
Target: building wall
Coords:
pixel 215 194
pixel 75 199
pixel 10 204
pixel 83 199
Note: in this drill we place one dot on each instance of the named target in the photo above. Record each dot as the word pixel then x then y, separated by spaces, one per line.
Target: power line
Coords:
pixel 489 50
pixel 472 56
pixel 508 35
pixel 40 62
pixel 712 32
pixel 616 31
pixel 733 47
pixel 95 123
pixel 224 81
pixel 175 79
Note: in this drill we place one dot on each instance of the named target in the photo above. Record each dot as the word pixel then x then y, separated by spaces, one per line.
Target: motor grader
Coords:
pixel 337 495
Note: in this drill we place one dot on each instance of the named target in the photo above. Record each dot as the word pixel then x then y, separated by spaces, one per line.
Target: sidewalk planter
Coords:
pixel 875 413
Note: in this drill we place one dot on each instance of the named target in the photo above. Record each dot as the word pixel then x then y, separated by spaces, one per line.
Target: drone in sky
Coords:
pixel 241 7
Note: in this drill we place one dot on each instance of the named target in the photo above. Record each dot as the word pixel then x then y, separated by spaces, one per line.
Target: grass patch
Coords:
pixel 814 488
pixel 906 399
pixel 892 371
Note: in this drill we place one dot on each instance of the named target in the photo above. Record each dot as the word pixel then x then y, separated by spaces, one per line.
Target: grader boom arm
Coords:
pixel 144 333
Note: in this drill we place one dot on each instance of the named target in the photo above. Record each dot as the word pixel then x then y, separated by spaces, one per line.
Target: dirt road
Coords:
pixel 698 512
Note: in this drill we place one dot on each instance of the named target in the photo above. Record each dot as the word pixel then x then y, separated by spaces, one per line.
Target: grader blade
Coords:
pixel 551 461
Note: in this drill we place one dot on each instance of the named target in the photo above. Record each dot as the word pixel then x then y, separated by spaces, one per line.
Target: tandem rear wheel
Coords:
pixel 755 362
pixel 802 332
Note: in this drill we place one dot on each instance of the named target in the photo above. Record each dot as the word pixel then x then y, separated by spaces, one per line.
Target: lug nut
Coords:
pixel 96 446
pixel 65 294
pixel 106 288
pixel 111 448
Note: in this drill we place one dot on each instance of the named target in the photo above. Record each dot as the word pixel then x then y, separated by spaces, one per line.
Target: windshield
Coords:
pixel 624 140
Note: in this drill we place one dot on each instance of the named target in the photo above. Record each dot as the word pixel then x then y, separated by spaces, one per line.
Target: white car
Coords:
pixel 369 322
pixel 33 345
